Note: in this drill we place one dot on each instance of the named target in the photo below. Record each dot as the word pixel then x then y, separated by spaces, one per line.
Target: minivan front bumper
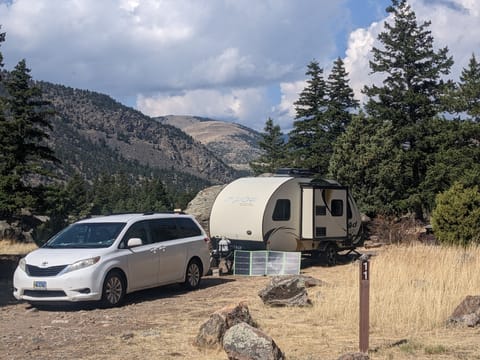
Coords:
pixel 80 285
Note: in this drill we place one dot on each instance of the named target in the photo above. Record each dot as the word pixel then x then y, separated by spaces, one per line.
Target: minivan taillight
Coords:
pixel 206 239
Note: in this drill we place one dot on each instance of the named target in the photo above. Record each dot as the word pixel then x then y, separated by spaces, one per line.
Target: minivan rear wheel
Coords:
pixel 193 275
pixel 113 289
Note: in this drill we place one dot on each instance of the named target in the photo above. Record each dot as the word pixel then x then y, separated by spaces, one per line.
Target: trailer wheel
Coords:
pixel 331 254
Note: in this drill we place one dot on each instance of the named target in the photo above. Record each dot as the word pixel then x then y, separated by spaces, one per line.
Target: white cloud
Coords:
pixel 285 111
pixel 241 105
pixel 358 55
pixel 453 24
pixel 213 58
pixel 230 51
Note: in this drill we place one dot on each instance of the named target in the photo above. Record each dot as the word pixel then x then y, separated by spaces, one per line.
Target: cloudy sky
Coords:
pixel 234 60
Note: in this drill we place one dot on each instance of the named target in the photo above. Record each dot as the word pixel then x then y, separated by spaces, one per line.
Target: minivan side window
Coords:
pixel 163 230
pixel 137 230
pixel 187 228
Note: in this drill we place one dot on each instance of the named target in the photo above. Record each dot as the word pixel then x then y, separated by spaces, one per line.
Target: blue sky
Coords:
pixel 234 60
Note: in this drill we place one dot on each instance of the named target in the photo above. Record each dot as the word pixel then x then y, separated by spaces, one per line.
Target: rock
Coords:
pixel 286 291
pixel 201 205
pixel 212 331
pixel 467 313
pixel 127 336
pixel 244 342
pixel 354 356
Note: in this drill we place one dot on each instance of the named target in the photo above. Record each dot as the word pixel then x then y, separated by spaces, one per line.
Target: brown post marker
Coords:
pixel 364 302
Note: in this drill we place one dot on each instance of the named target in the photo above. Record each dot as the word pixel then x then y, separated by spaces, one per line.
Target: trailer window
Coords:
pixel 337 207
pixel 282 210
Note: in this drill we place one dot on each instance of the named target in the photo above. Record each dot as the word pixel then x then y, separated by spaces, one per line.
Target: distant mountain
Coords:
pixel 93 134
pixel 235 144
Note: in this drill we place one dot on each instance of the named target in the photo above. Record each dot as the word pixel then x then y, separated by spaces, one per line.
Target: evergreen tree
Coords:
pixel 469 90
pixel 323 111
pixel 6 179
pixel 410 95
pixel 455 156
pixel 273 146
pixel 366 159
pixel 152 196
pixel 456 217
pixel 24 149
pixel 308 141
pixel 341 100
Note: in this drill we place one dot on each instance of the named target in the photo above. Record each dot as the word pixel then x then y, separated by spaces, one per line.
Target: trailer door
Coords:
pixel 307 215
pixel 330 214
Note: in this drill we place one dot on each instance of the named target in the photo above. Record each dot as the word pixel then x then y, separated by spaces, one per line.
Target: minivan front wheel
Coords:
pixel 113 289
pixel 193 275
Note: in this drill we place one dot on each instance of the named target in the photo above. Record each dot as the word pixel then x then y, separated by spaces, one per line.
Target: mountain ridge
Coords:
pixel 236 144
pixel 93 133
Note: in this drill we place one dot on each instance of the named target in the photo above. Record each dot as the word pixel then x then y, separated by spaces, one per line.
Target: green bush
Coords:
pixel 456 217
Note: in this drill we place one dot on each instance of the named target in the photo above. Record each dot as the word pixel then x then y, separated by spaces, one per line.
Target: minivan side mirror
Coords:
pixel 133 242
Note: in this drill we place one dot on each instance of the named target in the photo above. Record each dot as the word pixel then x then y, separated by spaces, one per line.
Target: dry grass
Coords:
pixel 10 247
pixel 413 288
pixel 413 291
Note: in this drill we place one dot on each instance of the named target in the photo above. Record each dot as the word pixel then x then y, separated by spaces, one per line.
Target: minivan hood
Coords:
pixel 54 257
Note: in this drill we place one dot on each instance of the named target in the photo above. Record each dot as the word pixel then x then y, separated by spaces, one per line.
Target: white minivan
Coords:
pixel 105 258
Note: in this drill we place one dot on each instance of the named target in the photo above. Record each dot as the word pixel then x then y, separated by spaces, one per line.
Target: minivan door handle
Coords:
pixel 162 248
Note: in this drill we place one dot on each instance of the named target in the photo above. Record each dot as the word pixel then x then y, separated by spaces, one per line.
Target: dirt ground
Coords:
pixel 162 323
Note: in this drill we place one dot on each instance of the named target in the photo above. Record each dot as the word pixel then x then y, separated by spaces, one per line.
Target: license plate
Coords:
pixel 41 285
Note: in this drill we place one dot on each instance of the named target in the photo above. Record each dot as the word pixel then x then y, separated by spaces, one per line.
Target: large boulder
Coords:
pixel 212 331
pixel 288 290
pixel 244 342
pixel 467 312
pixel 201 205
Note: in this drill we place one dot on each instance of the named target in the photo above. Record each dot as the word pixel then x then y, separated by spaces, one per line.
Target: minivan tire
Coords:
pixel 113 291
pixel 193 275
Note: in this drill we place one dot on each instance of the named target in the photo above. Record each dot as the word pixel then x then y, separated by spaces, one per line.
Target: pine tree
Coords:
pixel 341 100
pixel 366 160
pixel 273 146
pixel 410 95
pixel 469 90
pixel 308 141
pixel 24 149
pixel 6 178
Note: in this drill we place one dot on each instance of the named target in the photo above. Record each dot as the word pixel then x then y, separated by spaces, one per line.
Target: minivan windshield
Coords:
pixel 86 235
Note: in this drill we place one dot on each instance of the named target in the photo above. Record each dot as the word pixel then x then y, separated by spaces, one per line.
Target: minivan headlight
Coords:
pixel 22 264
pixel 81 264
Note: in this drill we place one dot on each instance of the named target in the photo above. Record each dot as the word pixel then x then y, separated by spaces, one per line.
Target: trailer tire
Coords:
pixel 331 254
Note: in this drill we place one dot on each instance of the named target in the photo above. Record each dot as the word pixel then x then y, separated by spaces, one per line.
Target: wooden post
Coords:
pixel 364 302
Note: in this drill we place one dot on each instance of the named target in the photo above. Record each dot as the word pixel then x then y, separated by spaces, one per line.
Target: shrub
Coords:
pixel 456 217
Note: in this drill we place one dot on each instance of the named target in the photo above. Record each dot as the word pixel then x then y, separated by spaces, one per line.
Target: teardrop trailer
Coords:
pixel 289 211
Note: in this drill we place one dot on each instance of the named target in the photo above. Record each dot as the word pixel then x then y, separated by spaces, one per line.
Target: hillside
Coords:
pixel 92 133
pixel 235 144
